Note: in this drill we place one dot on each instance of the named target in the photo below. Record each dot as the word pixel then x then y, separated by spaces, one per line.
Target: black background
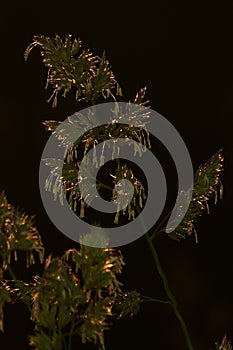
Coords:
pixel 183 52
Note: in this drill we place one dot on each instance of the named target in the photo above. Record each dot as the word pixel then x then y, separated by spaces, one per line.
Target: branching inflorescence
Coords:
pixel 79 292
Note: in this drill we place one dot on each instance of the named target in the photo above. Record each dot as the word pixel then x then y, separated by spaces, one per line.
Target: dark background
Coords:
pixel 183 52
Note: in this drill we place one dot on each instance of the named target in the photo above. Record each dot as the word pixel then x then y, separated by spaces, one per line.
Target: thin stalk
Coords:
pixel 145 298
pixel 172 300
pixel 157 230
pixel 64 343
pixel 70 335
pixel 168 291
pixel 11 272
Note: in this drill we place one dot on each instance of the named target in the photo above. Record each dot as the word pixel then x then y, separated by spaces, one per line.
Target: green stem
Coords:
pixel 100 184
pixel 11 272
pixel 70 335
pixel 157 230
pixel 168 291
pixel 172 301
pixel 64 343
pixel 145 298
